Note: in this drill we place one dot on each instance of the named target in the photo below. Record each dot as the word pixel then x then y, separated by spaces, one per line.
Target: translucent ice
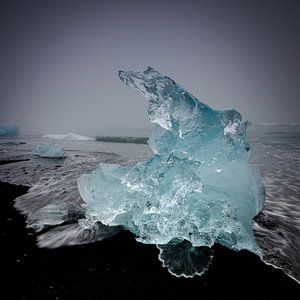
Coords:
pixel 196 190
pixel 49 150
pixel 8 130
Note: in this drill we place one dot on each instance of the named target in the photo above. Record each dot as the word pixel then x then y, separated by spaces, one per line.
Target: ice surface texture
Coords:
pixel 197 187
pixel 9 130
pixel 49 150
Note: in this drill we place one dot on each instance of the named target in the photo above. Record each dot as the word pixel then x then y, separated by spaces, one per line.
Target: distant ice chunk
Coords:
pixel 196 190
pixel 49 150
pixel 9 130
pixel 68 136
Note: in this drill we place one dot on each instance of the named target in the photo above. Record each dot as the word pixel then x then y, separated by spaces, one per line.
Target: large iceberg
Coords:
pixel 196 190
pixel 49 151
pixel 9 130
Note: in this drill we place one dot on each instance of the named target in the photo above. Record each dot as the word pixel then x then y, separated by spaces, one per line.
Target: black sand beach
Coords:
pixel 121 268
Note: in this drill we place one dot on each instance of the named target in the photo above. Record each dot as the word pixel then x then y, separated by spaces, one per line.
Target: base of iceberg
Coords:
pixel 183 259
pixel 120 268
pixel 9 130
pixel 49 151
pixel 196 190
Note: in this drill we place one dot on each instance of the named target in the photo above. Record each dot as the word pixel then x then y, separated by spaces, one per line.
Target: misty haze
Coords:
pixel 60 62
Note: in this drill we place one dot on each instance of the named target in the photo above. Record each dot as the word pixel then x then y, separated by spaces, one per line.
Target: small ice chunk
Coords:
pixel 49 150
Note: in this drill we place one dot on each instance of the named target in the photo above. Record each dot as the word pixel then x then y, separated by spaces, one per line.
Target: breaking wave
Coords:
pixel 68 136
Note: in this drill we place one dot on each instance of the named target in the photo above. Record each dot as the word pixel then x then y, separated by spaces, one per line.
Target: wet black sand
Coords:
pixel 121 268
pixel 11 161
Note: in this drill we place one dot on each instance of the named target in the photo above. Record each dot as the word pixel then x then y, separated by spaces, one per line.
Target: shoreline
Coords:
pixel 121 268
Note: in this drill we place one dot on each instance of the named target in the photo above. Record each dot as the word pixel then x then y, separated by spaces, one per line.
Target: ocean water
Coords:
pixel 53 205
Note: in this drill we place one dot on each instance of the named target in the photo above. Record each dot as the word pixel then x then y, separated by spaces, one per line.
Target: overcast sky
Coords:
pixel 59 59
